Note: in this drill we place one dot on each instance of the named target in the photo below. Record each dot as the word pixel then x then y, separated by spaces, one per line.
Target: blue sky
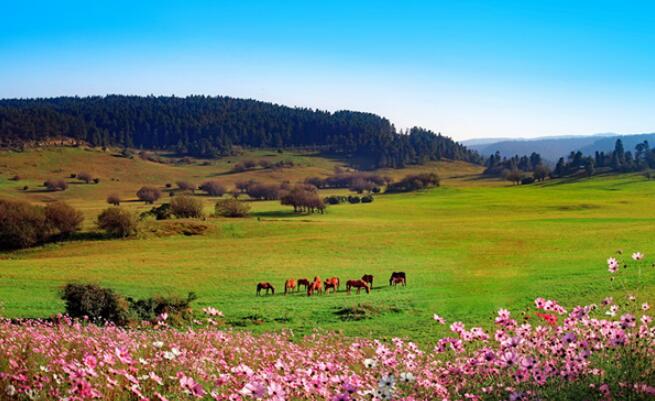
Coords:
pixel 464 68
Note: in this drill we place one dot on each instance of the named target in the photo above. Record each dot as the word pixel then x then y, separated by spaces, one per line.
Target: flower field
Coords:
pixel 593 352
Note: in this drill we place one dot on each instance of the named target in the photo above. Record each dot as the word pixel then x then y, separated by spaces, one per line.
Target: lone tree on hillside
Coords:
pixel 85 176
pixel 114 199
pixel 148 194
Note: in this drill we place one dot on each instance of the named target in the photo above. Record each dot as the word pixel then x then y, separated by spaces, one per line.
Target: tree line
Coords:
pixel 206 126
pixel 618 160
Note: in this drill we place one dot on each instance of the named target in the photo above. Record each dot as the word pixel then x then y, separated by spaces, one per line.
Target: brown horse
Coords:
pixel 359 284
pixel 303 282
pixel 289 286
pixel 368 278
pixel 265 286
pixel 315 286
pixel 398 278
pixel 333 283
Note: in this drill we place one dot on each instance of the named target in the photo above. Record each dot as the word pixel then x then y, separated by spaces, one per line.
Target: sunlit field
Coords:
pixel 468 247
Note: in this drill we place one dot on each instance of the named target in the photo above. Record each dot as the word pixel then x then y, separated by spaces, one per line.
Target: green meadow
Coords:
pixel 468 247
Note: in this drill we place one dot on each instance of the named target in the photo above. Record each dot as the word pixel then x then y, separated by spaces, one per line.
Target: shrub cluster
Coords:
pixel 161 212
pixel 185 186
pixel 263 163
pixel 336 200
pixel 187 207
pixel 213 188
pixel 100 305
pixel 231 208
pixel 355 181
pixel 414 182
pixel 148 194
pixel 95 303
pixel 84 176
pixel 55 184
pixel 63 218
pixel 23 225
pixel 118 222
pixel 178 310
pixel 303 198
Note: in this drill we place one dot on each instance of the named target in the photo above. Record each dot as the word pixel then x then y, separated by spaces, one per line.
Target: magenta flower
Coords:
pixel 438 319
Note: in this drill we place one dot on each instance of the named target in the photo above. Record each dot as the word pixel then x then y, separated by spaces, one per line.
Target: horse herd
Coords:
pixel 317 286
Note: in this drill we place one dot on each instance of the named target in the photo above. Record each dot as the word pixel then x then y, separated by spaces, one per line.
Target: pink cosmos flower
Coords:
pixel 637 256
pixel 612 265
pixel 439 319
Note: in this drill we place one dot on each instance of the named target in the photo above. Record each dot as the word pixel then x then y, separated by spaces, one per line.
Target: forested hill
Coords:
pixel 211 126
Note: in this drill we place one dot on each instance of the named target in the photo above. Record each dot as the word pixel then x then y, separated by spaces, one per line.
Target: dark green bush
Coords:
pixel 367 199
pixel 178 309
pixel 162 212
pixel 97 303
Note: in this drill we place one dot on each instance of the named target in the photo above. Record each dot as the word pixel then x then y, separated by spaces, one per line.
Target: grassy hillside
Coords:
pixel 468 247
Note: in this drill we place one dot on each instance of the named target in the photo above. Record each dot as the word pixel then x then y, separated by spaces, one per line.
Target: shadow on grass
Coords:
pixel 279 214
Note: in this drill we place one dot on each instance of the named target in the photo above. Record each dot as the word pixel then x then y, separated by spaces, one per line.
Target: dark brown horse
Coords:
pixel 315 286
pixel 368 278
pixel 304 282
pixel 398 278
pixel 289 286
pixel 265 286
pixel 359 284
pixel 332 282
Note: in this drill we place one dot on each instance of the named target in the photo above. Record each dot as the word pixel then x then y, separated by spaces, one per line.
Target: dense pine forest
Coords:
pixel 211 126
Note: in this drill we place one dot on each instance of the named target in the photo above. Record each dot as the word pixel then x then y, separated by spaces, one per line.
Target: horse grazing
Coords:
pixel 333 283
pixel 289 286
pixel 398 278
pixel 315 286
pixel 303 282
pixel 265 286
pixel 359 284
pixel 368 278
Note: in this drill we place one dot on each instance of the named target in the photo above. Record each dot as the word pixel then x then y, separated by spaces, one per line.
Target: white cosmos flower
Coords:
pixel 387 381
pixel 407 377
pixel 370 363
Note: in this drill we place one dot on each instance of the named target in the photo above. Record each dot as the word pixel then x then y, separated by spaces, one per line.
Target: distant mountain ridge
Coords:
pixel 554 147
